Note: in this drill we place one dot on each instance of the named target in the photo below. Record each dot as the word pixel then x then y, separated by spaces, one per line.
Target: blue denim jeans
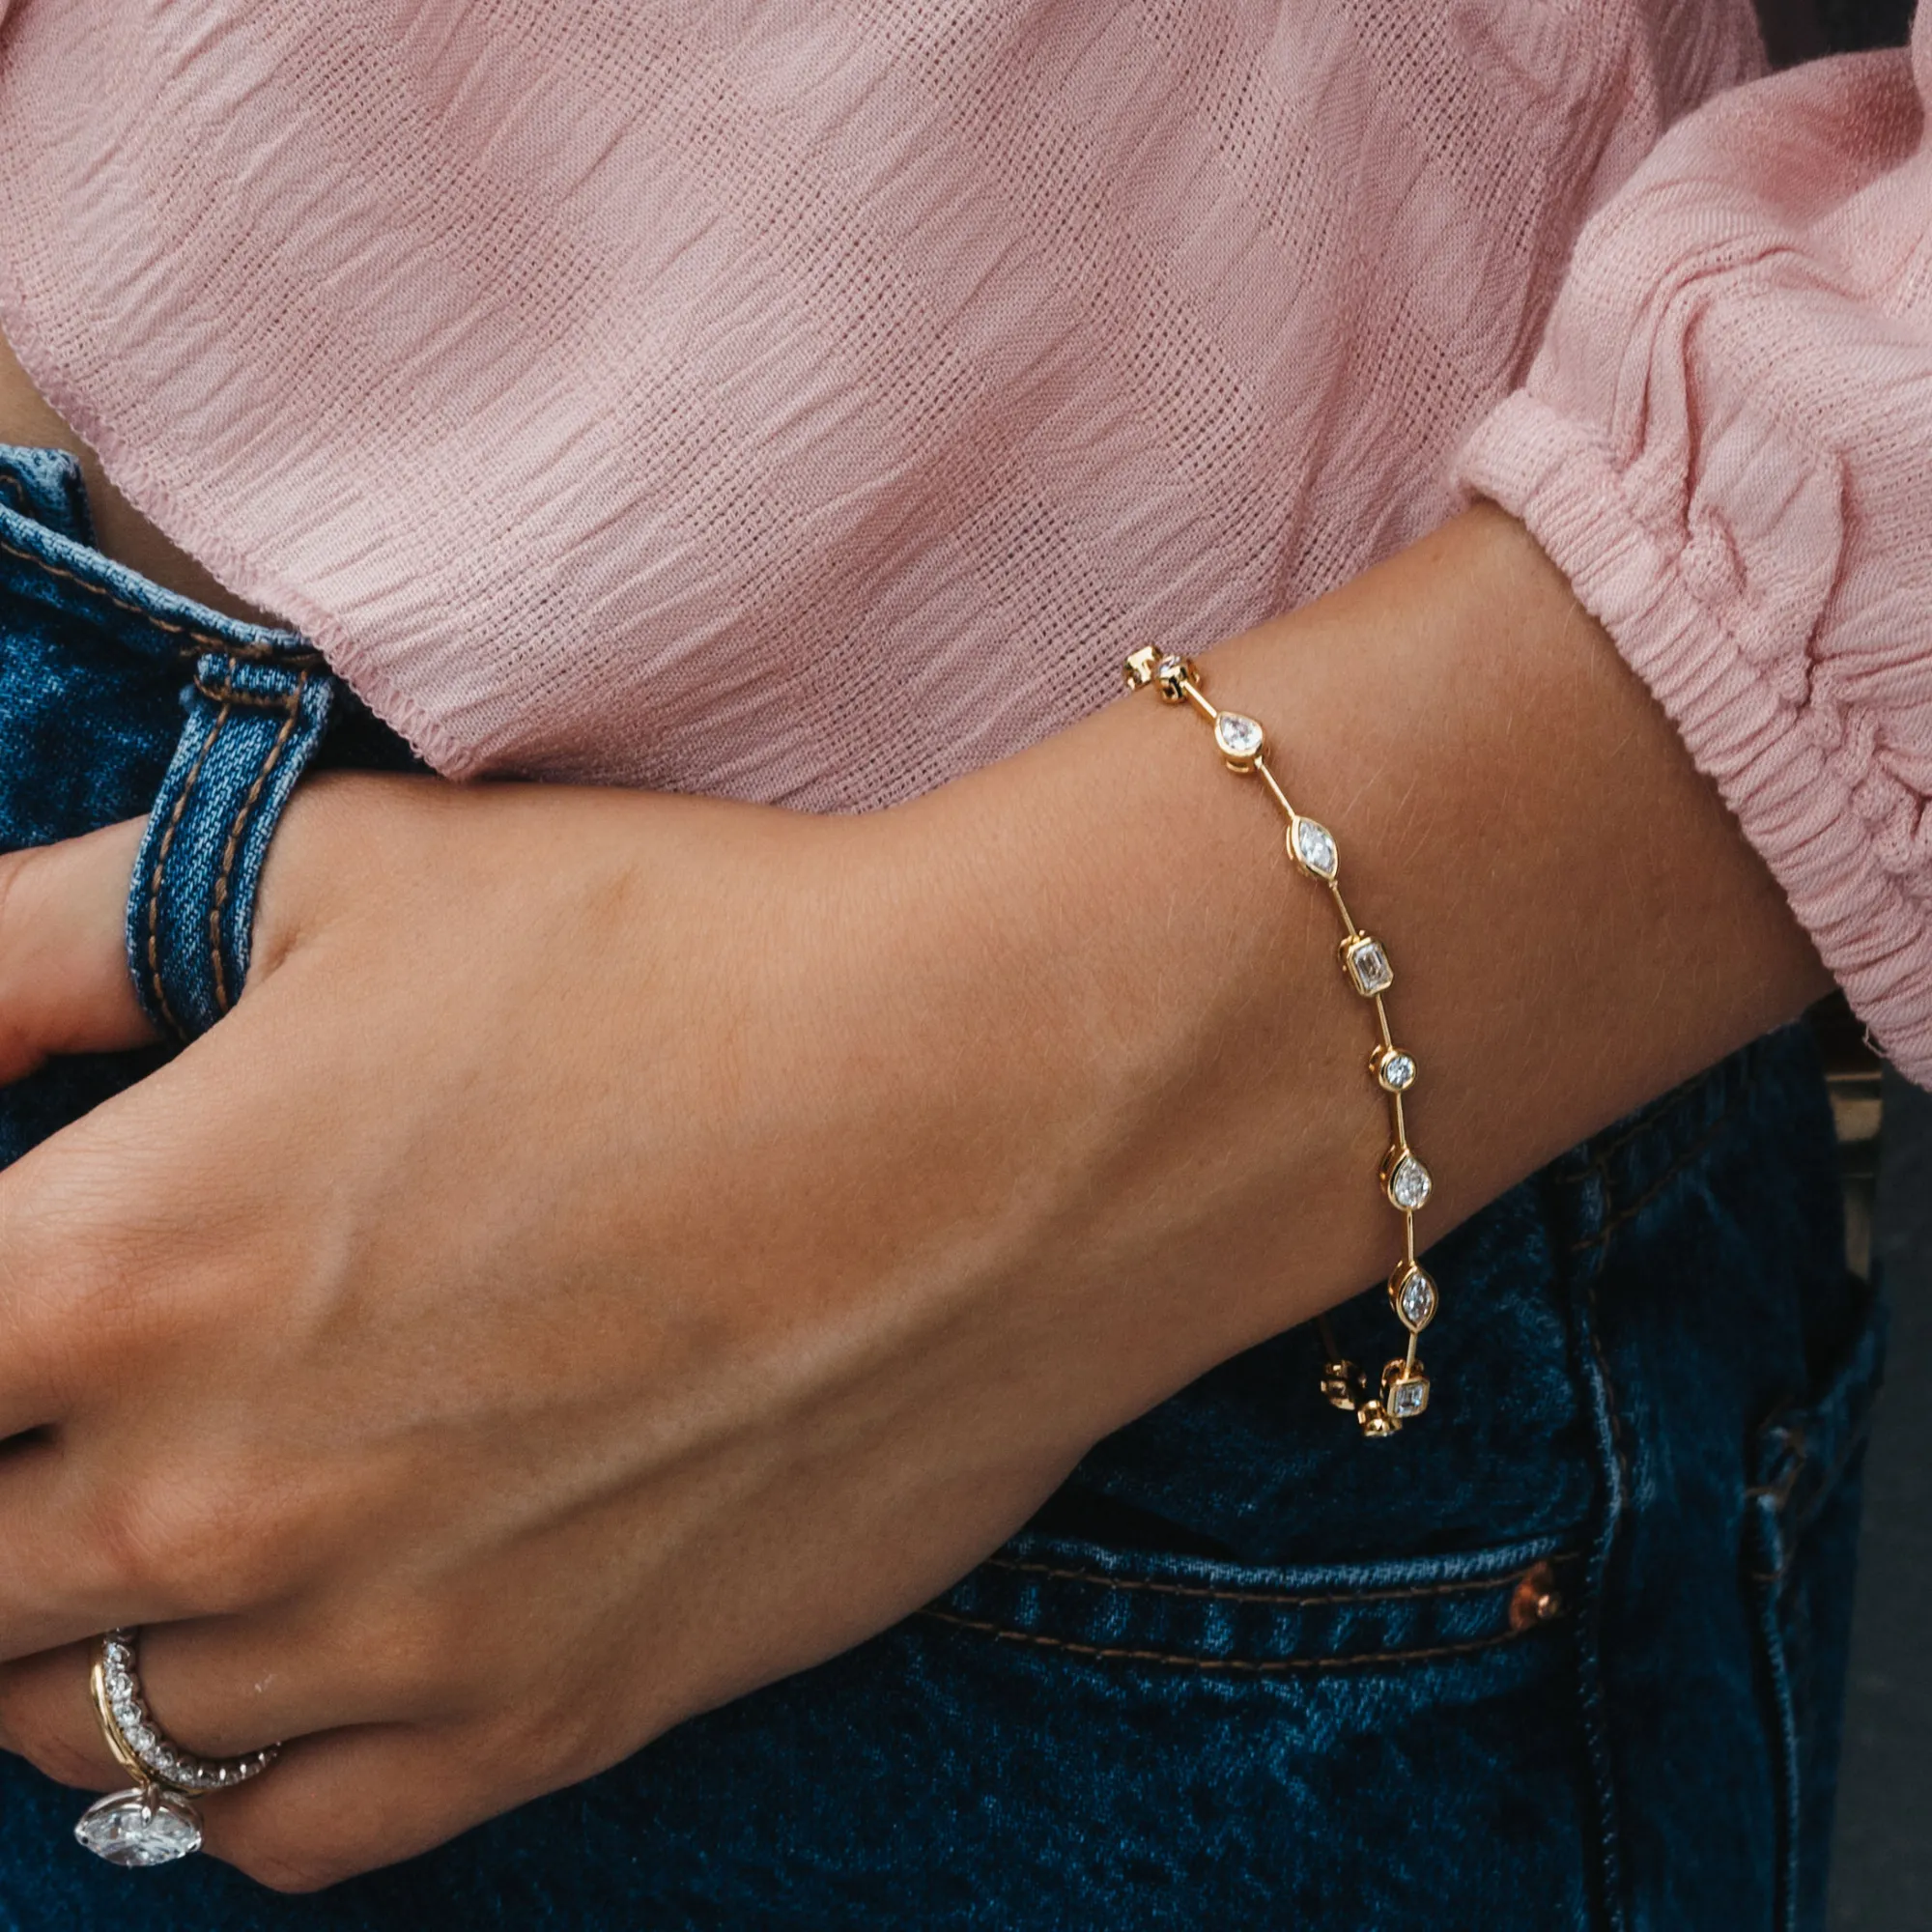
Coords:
pixel 1569 1653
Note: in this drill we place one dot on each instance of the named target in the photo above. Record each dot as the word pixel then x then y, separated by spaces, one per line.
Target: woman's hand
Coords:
pixel 579 1283
pixel 621 1250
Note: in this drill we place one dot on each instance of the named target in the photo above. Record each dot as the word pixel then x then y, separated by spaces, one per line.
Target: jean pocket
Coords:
pixel 1192 1614
pixel 1801 1546
pixel 1353 1743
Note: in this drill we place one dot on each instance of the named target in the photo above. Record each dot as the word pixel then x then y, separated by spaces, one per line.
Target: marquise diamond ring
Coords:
pixel 156 1821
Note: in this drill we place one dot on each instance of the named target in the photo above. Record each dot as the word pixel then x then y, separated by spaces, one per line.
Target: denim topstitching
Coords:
pixel 151 952
pixel 292 705
pixel 1240 1666
pixel 292 654
pixel 1209 1593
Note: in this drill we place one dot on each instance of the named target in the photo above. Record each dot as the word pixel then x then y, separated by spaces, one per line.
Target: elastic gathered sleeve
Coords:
pixel 1725 443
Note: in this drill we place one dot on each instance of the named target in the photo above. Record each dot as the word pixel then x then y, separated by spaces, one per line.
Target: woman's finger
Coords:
pixel 331 1805
pixel 85 1555
pixel 219 1687
pixel 64 982
pixel 46 1717
pixel 347 1800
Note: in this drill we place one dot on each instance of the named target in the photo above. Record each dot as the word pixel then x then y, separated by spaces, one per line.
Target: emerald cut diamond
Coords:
pixel 1367 965
pixel 1408 1398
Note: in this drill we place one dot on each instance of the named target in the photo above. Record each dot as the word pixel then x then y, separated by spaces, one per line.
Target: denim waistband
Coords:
pixel 254 704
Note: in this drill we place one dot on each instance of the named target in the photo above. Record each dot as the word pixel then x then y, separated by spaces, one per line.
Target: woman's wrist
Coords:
pixel 700 1234
pixel 1575 921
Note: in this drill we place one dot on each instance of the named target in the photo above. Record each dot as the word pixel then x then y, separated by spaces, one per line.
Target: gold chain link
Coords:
pixel 1405 1183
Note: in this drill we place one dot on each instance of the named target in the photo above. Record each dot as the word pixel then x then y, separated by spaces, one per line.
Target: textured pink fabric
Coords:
pixel 808 402
pixel 1727 442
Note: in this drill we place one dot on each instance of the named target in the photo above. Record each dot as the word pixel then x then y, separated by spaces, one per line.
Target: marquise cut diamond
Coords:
pixel 1239 738
pixel 1313 848
pixel 1415 1298
pixel 129 1829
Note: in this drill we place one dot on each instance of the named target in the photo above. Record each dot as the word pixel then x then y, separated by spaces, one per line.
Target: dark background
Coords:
pixel 1881 1864
pixel 1796 30
pixel 1882 1860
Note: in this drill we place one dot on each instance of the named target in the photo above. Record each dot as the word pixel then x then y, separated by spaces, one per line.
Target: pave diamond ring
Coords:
pixel 156 1821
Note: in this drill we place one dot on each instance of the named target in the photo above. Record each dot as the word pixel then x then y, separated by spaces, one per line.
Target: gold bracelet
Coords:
pixel 1365 965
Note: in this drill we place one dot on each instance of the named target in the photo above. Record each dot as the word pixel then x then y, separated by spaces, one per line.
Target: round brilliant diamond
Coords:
pixel 1396 1070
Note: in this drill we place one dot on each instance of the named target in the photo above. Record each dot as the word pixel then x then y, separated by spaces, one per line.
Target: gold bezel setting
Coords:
pixel 1393 1069
pixel 1405 1180
pixel 1364 960
pixel 1405 1183
pixel 1313 847
pixel 1404 1391
pixel 1240 740
pixel 1413 1295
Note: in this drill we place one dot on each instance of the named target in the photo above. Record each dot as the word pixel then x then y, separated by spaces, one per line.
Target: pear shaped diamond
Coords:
pixel 1407 1180
pixel 1312 847
pixel 1239 738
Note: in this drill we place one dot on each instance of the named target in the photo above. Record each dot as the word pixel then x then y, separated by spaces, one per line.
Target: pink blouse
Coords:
pixel 811 402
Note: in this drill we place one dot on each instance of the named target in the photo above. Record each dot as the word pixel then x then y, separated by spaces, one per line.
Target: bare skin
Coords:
pixel 27 418
pixel 678 1238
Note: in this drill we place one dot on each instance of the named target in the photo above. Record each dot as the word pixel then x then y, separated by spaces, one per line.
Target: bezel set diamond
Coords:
pixel 1312 846
pixel 1413 1295
pixel 1241 740
pixel 1393 1068
pixel 1174 675
pixel 1366 962
pixel 1404 1391
pixel 1405 1182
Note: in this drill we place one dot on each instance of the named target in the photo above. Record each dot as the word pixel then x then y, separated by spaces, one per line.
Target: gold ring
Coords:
pixel 156 1821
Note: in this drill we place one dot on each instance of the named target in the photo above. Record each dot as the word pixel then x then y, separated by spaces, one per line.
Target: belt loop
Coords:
pixel 255 714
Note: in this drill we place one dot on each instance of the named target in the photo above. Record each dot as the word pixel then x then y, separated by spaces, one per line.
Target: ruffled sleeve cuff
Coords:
pixel 1725 443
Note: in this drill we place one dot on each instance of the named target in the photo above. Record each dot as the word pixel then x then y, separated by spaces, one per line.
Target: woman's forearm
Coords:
pixel 697 1233
pixel 1575 921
